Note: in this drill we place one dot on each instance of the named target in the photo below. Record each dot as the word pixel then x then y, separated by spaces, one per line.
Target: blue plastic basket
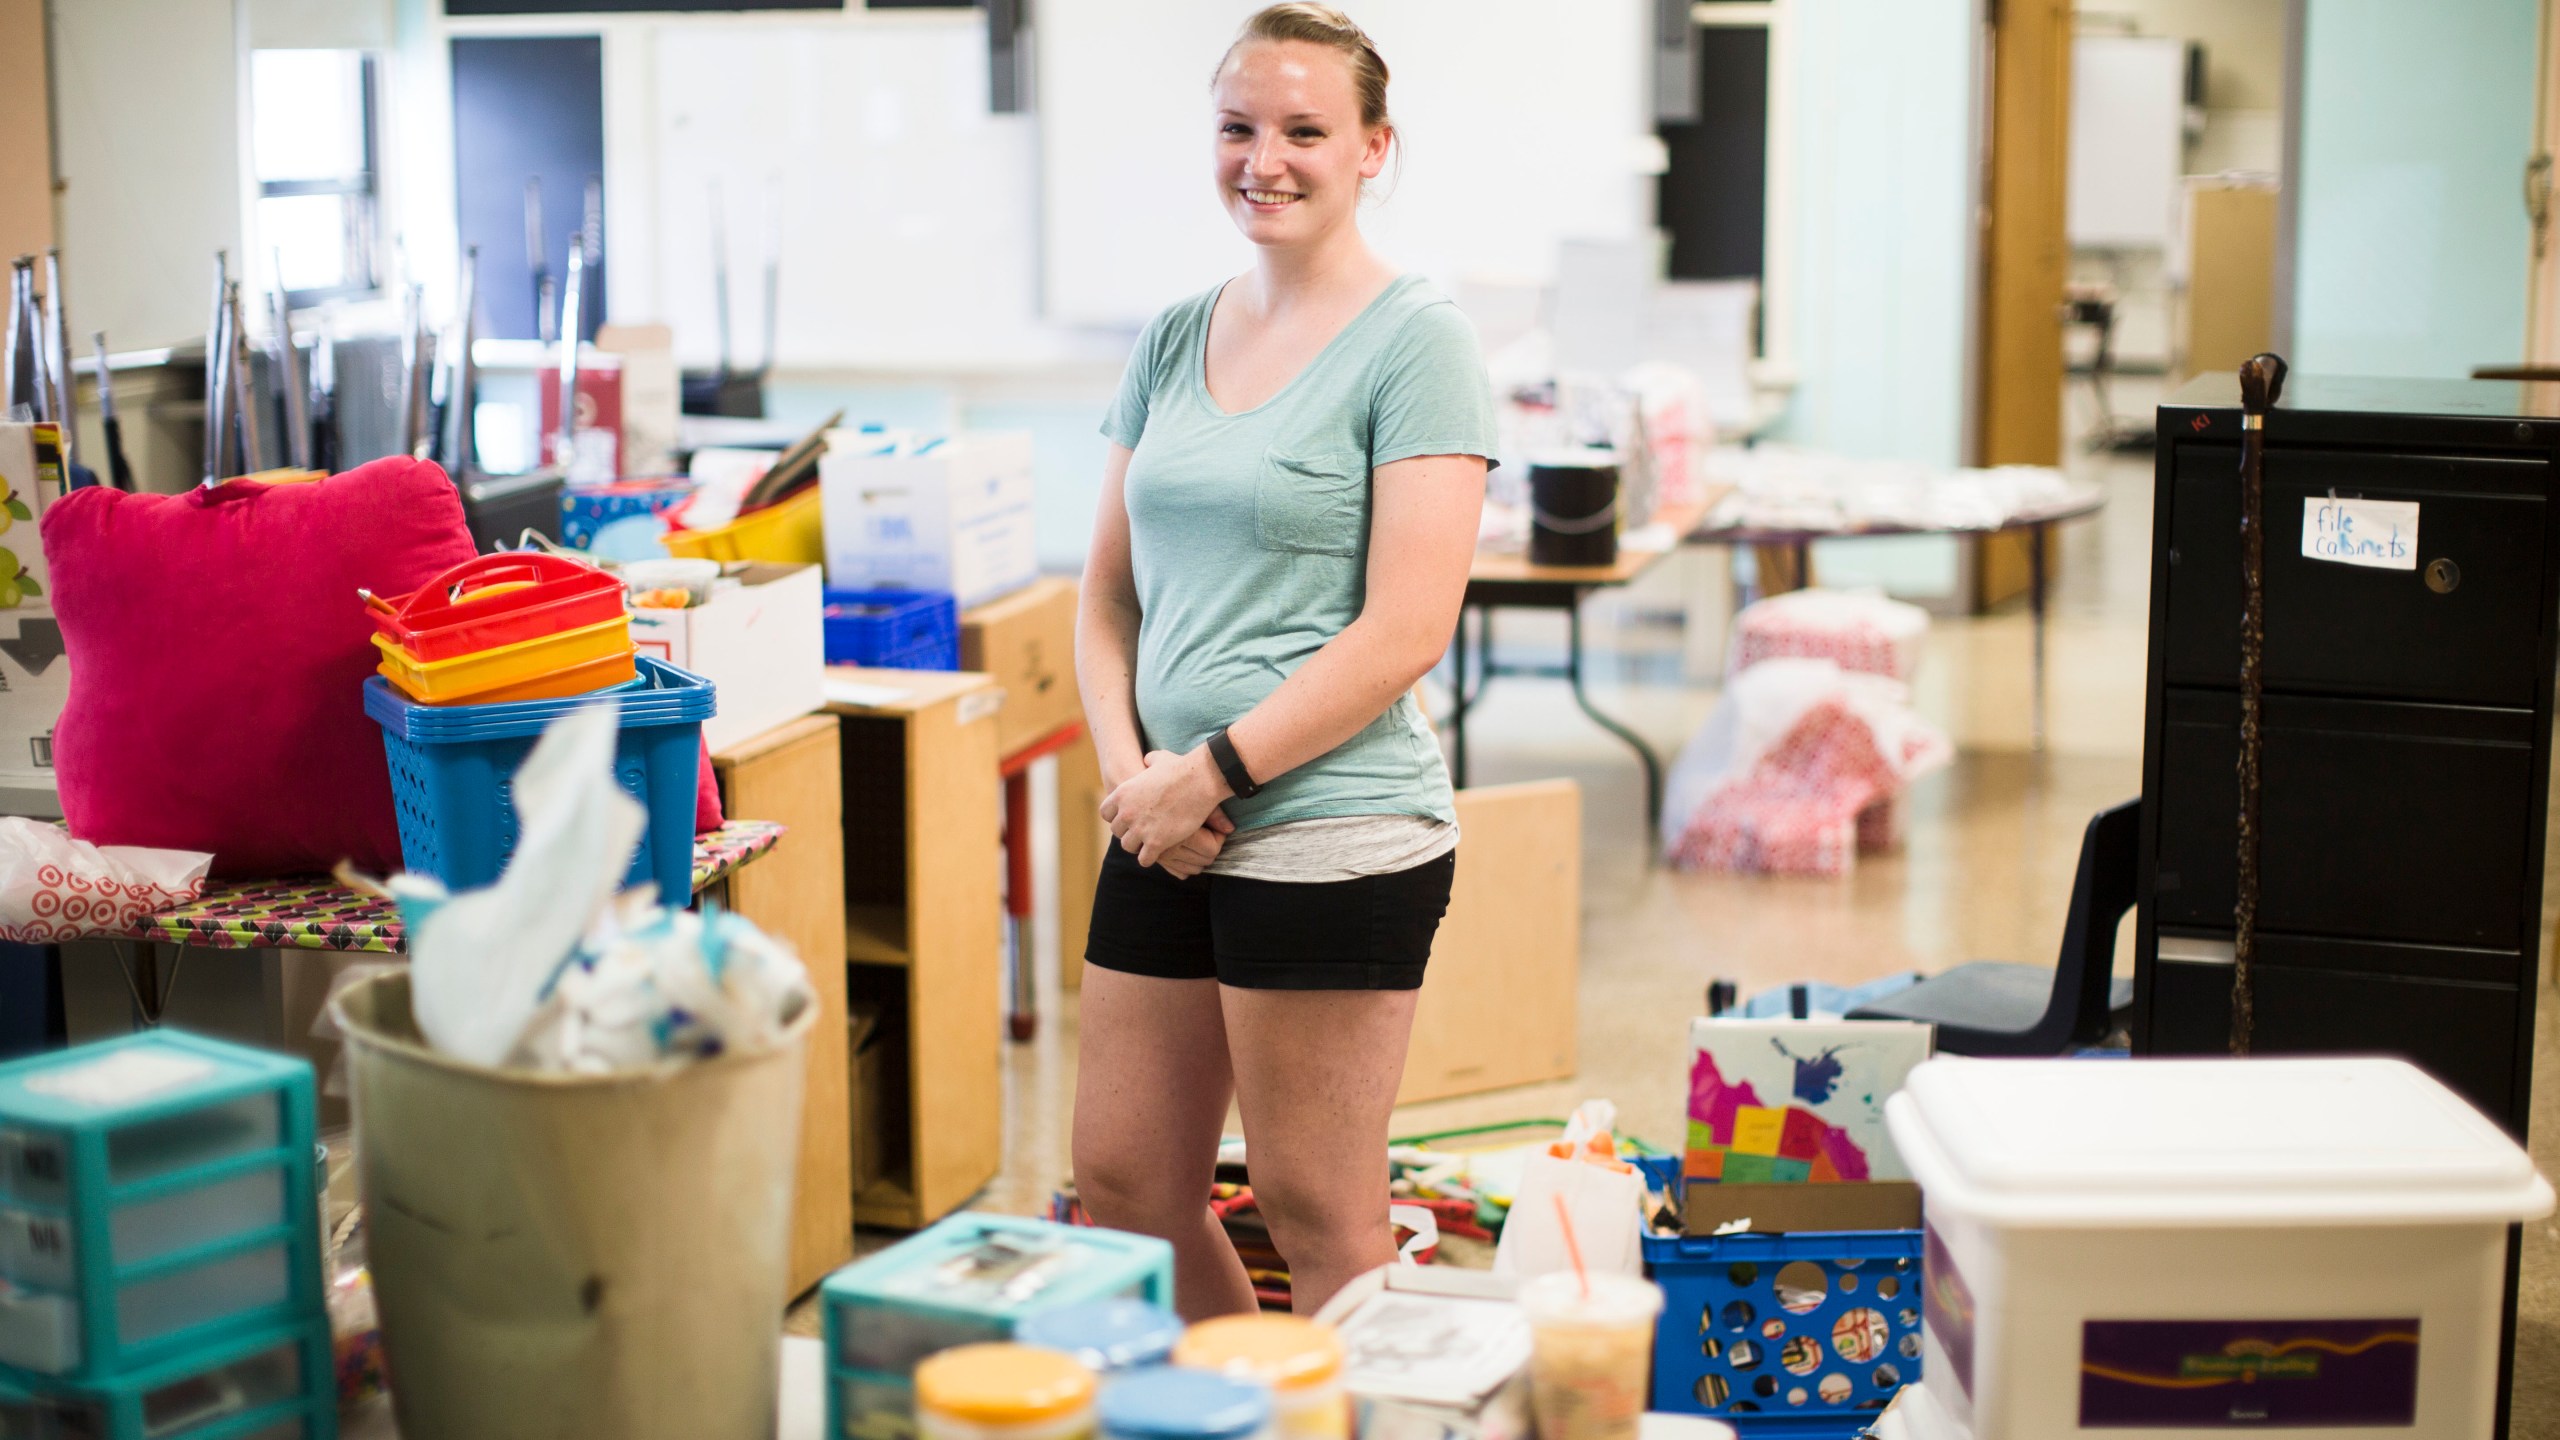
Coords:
pixel 452 766
pixel 1729 1346
pixel 893 629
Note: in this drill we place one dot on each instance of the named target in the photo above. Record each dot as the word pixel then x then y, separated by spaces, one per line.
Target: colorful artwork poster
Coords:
pixel 2248 1374
pixel 1796 1100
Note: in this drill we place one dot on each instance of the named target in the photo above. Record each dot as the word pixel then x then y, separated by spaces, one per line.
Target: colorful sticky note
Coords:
pixel 1802 1138
pixel 1741 1169
pixel 1757 1130
pixel 1789 1172
pixel 1703 1164
pixel 1823 1172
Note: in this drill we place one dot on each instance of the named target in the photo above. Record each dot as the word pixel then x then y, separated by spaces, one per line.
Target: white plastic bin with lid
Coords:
pixel 2174 1248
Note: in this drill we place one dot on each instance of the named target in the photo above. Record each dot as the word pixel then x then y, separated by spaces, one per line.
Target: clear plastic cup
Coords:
pixel 1591 1353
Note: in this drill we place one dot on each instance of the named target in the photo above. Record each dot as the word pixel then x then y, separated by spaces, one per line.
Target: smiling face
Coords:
pixel 1291 149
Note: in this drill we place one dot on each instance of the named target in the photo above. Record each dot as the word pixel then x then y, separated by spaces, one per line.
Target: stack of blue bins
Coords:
pixel 160 1244
pixel 971 1278
pixel 453 769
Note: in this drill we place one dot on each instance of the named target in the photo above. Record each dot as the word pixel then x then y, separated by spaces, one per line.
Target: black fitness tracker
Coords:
pixel 1231 765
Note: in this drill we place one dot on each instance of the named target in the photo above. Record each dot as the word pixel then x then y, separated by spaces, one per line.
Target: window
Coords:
pixel 313 148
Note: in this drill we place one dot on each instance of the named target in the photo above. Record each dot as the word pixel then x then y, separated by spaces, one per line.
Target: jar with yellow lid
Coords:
pixel 1299 1359
pixel 1003 1392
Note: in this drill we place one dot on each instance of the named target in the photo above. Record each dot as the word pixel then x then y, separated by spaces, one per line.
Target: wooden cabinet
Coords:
pixel 790 774
pixel 1500 998
pixel 923 932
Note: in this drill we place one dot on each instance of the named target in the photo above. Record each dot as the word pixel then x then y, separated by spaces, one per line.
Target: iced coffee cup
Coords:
pixel 1591 1350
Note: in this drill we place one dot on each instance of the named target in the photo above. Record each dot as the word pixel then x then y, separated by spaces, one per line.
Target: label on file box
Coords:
pixel 2248 1374
pixel 2380 534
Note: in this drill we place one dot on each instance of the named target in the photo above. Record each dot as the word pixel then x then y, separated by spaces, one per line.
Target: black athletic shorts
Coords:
pixel 1372 933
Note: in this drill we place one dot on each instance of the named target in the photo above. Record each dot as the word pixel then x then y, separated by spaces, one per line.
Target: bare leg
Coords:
pixel 1152 1086
pixel 1316 1073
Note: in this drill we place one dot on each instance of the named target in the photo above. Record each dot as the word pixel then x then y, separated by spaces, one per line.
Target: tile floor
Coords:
pixel 1985 870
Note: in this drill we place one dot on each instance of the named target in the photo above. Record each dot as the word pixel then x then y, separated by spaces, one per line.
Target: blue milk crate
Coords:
pixel 155 1196
pixel 1751 1339
pixel 278 1384
pixel 452 766
pixel 892 629
pixel 969 1279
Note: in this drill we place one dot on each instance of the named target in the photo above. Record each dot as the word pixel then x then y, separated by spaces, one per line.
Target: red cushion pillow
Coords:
pixel 218 654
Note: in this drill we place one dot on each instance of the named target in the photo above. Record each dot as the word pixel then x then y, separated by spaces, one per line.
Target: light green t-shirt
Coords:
pixel 1249 533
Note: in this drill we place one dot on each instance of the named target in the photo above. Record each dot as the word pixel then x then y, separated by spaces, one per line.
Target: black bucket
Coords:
pixel 1573 509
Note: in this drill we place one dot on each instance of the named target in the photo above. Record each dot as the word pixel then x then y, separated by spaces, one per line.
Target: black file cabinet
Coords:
pixel 2407 731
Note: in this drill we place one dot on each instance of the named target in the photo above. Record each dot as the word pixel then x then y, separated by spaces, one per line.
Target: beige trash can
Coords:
pixel 573 1256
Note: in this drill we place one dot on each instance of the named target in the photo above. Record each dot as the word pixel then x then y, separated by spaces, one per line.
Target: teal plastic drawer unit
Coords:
pixel 970 1278
pixel 155 1196
pixel 271 1385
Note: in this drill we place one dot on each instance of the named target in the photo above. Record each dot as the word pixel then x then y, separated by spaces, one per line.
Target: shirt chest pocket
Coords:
pixel 1312 505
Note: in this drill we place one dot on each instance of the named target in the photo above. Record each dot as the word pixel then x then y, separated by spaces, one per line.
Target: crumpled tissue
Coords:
pixel 53 887
pixel 550 969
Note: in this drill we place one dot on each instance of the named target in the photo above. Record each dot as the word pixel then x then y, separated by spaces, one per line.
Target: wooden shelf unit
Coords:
pixel 796 894
pixel 922 929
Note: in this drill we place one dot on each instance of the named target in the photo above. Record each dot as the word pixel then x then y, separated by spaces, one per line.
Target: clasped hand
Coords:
pixel 1167 814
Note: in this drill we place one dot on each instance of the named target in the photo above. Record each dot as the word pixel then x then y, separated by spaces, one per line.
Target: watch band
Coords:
pixel 1231 765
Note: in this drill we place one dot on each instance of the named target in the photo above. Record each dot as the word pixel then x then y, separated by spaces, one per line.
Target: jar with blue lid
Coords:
pixel 1174 1404
pixel 1106 1335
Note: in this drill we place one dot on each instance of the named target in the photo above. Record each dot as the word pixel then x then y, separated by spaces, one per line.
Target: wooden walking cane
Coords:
pixel 2261 381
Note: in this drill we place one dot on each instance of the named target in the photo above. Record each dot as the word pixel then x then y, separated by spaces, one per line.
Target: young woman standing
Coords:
pixel 1288 511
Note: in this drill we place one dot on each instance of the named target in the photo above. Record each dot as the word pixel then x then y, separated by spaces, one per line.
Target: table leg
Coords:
pixel 1635 742
pixel 1024 1021
pixel 2036 537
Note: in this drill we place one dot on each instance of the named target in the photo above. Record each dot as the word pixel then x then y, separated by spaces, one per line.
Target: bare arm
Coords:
pixel 1422 536
pixel 1107 666
pixel 1107 632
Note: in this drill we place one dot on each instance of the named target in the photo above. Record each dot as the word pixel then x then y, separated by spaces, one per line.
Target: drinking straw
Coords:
pixel 1573 1248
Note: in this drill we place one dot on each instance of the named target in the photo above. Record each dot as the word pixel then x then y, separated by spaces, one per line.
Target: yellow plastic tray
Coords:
pixel 793 532
pixel 509 668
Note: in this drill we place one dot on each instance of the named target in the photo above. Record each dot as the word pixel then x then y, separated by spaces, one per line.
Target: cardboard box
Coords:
pixel 1434 1353
pixel 652 396
pixel 956 516
pixel 761 642
pixel 1499 1001
pixel 1027 641
pixel 35 676
pixel 1782 1207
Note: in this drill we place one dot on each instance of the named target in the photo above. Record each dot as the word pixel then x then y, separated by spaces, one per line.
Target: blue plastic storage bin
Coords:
pixel 893 629
pixel 1811 1362
pixel 451 766
pixel 275 1384
pixel 156 1195
pixel 969 1279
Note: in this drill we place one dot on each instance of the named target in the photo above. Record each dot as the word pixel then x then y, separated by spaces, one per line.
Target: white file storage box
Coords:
pixel 2150 1249
pixel 952 515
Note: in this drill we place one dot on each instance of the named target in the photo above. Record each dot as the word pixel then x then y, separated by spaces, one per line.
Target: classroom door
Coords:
pixel 528 114
pixel 2412 244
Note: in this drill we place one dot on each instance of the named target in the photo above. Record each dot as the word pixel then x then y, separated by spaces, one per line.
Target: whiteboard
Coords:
pixel 1521 121
pixel 908 230
pixel 2128 140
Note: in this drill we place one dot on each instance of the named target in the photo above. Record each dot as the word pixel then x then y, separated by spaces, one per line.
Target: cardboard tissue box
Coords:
pixel 759 640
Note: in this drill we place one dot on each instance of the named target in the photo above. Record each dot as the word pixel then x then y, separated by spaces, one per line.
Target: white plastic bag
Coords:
pixel 1604 1198
pixel 53 887
pixel 551 969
